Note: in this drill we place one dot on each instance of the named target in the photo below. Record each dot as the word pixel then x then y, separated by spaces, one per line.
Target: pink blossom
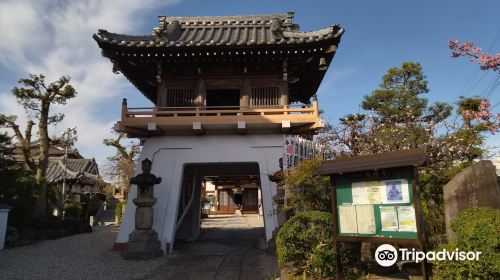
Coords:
pixel 487 61
pixel 484 115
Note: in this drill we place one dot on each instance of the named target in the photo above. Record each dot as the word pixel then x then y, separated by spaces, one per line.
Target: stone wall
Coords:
pixel 475 186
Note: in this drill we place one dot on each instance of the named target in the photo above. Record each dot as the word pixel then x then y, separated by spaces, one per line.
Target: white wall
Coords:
pixel 171 153
pixel 210 186
pixel 4 215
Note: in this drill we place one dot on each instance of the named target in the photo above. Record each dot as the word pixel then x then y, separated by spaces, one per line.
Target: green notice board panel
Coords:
pixel 344 190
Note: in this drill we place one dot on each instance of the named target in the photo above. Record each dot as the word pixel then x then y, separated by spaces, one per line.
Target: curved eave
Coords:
pixel 118 47
pixel 238 40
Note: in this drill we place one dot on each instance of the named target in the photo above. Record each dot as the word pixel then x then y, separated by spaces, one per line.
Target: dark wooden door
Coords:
pixel 226 202
pixel 250 201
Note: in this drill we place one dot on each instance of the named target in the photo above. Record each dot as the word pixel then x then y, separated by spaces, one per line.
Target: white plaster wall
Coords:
pixel 4 215
pixel 210 186
pixel 171 153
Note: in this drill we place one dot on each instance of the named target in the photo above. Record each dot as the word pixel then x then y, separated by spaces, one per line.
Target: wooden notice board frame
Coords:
pixel 387 166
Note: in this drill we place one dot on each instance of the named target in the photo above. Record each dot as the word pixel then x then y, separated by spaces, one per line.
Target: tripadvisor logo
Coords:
pixel 387 255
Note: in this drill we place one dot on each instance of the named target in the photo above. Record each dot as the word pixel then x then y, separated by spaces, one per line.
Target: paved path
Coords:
pixel 106 217
pixel 226 250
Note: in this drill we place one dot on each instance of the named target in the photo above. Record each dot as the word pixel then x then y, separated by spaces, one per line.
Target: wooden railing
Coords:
pixel 176 112
pixel 216 111
pixel 295 113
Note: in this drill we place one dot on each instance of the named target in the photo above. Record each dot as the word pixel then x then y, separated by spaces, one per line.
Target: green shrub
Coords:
pixel 306 190
pixel 17 188
pixel 476 229
pixel 119 211
pixel 305 242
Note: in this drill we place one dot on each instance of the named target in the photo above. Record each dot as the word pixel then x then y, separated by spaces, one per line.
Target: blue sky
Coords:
pixel 55 38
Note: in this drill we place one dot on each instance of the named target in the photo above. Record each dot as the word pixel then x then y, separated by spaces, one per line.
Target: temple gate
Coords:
pixel 225 90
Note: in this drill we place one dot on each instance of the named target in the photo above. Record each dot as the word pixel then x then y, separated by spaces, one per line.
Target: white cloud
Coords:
pixel 22 31
pixel 41 37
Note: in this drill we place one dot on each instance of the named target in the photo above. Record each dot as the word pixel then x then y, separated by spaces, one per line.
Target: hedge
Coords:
pixel 476 229
pixel 305 245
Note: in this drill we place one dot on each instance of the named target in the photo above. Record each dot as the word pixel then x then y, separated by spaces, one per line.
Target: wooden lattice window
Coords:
pixel 223 198
pixel 180 97
pixel 250 197
pixel 265 96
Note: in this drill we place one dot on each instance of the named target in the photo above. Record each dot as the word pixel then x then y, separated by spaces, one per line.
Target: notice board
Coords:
pixel 376 199
pixel 376 207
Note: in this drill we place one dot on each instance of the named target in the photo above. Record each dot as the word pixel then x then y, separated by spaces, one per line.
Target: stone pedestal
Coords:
pixel 142 245
pixel 143 242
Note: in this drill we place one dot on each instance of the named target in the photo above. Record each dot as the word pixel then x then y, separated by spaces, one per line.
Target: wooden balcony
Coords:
pixel 144 122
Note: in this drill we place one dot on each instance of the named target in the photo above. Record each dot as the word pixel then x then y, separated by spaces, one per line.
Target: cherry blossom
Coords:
pixel 484 116
pixel 486 60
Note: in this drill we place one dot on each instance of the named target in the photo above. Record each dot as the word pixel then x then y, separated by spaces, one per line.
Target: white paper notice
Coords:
pixel 367 193
pixel 395 191
pixel 347 219
pixel 358 193
pixel 366 219
pixel 407 219
pixel 374 192
pixel 389 218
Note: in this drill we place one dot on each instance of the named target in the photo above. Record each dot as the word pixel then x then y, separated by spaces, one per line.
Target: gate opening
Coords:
pixel 220 201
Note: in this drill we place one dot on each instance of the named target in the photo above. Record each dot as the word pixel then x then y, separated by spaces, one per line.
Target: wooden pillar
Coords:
pixel 124 109
pixel 245 93
pixel 338 261
pixel 419 220
pixel 284 98
pixel 161 95
pixel 202 95
pixel 315 105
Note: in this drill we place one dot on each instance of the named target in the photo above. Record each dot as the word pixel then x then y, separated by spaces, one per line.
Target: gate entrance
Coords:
pixel 231 193
pixel 221 196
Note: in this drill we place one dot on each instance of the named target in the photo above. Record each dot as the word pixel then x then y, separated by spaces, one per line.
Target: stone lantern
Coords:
pixel 143 242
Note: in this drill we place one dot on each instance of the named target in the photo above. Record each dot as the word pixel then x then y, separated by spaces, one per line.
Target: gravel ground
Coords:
pixel 227 249
pixel 82 256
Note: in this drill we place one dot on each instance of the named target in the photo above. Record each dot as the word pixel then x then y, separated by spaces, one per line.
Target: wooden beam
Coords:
pixel 197 129
pixel 242 128
pixel 135 130
pixel 152 126
pixel 285 126
pixel 338 260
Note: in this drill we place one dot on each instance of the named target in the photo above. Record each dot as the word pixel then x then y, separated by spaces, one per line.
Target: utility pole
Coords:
pixel 68 133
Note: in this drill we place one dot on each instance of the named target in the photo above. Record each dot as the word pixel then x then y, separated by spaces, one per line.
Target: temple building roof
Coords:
pixel 276 29
pixel 224 46
pixel 79 169
pixel 82 171
pixel 55 150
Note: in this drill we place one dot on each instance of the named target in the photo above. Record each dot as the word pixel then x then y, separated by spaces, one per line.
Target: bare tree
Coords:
pixel 121 167
pixel 36 97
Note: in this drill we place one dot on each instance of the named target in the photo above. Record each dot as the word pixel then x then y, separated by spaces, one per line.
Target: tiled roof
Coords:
pixel 276 29
pixel 84 171
pixel 56 150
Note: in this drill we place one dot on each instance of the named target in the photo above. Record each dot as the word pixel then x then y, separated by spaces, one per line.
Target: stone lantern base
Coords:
pixel 142 245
